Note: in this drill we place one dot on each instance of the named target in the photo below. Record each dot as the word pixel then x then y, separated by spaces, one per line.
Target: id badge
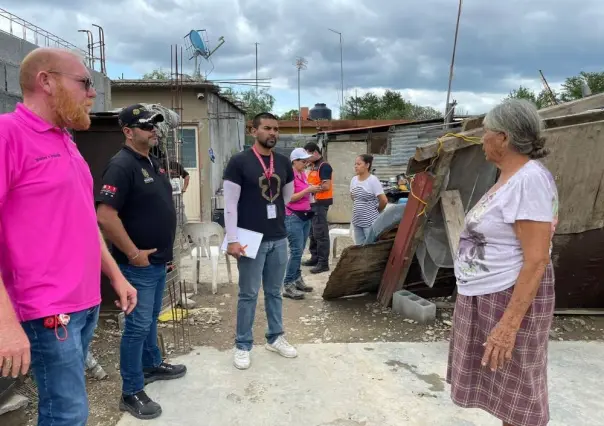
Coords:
pixel 271 211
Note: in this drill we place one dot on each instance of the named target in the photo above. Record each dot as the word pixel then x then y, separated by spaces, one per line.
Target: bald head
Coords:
pixel 45 59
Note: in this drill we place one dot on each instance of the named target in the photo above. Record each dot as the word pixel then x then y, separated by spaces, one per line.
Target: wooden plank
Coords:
pixel 452 143
pixel 552 117
pixel 573 119
pixel 359 270
pixel 454 217
pixel 403 249
pixel 574 107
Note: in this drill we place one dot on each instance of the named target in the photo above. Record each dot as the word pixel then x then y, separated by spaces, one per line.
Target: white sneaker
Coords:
pixel 241 359
pixel 282 348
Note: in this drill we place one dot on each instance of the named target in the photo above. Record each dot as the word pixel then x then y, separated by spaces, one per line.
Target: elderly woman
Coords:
pixel 505 279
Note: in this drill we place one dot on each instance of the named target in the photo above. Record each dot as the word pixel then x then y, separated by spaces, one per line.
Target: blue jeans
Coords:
pixel 139 349
pixel 58 368
pixel 268 268
pixel 297 235
pixel 360 234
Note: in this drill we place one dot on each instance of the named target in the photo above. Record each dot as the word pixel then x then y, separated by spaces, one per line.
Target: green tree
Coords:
pixel 157 74
pixel 254 103
pixel 292 114
pixel 390 106
pixel 571 88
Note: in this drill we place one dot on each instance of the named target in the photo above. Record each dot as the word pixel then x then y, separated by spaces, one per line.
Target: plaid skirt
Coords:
pixel 516 394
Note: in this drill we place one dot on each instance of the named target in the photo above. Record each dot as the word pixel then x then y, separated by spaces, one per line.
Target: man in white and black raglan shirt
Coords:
pixel 258 183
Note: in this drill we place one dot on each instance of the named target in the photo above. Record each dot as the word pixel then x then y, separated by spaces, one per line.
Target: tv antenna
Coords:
pixel 197 44
pixel 548 89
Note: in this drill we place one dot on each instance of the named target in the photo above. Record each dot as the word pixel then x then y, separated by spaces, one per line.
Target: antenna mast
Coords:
pixel 301 65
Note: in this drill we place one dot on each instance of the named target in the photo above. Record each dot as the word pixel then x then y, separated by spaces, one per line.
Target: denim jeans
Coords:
pixel 268 268
pixel 319 235
pixel 58 368
pixel 297 235
pixel 139 349
pixel 360 234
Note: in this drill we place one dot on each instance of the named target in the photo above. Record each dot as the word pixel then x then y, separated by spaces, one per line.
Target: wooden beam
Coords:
pixel 428 150
pixel 403 251
pixel 454 217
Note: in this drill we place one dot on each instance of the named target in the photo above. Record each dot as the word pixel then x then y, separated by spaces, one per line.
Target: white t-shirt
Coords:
pixel 489 257
pixel 365 206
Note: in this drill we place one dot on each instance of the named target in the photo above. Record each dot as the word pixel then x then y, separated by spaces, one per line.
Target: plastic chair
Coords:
pixel 202 234
pixel 336 233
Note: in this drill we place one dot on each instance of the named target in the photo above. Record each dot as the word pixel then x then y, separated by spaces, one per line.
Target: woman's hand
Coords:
pixel 499 345
pixel 311 189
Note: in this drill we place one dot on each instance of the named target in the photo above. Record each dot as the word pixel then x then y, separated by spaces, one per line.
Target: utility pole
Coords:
pixel 300 64
pixel 256 67
pixel 447 109
pixel 341 67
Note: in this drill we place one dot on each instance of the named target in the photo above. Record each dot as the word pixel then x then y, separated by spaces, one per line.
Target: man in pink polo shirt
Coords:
pixel 51 250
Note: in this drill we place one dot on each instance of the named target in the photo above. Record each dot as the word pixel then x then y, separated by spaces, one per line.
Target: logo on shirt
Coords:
pixel 108 190
pixel 265 189
pixel 162 171
pixel 148 179
pixel 48 157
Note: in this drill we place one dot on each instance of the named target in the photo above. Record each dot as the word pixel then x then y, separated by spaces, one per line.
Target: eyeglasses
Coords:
pixel 87 81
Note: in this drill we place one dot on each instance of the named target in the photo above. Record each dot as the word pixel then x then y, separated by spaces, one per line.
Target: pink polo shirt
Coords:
pixel 50 253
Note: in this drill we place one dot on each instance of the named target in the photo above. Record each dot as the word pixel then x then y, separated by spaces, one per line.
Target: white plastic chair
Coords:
pixel 336 233
pixel 202 234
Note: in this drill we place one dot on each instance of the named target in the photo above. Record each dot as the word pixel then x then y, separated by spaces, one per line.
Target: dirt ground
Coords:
pixel 312 320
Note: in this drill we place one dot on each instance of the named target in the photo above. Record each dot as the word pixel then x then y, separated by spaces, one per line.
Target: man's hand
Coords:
pixel 235 250
pixel 126 294
pixel 142 259
pixel 15 356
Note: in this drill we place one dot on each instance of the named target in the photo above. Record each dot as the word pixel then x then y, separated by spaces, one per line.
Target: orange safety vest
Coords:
pixel 314 179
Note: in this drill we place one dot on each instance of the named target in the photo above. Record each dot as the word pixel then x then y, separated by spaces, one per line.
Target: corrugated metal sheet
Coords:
pixel 404 139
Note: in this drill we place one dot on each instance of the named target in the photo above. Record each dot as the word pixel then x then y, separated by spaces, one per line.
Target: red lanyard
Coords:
pixel 267 172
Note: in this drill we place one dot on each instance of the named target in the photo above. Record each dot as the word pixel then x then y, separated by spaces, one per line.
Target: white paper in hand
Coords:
pixel 249 239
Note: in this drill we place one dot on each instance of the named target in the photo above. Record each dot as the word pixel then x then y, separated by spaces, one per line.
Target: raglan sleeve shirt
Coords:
pixel 532 198
pixel 232 190
pixel 376 186
pixel 115 185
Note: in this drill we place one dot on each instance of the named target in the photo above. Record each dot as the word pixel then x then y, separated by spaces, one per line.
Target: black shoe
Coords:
pixel 302 286
pixel 290 291
pixel 164 372
pixel 319 268
pixel 310 262
pixel 140 406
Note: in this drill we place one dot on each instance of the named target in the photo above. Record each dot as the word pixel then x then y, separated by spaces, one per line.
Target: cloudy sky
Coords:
pixel 398 44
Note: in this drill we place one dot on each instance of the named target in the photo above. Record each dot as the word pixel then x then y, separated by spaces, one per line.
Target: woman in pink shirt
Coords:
pixel 297 223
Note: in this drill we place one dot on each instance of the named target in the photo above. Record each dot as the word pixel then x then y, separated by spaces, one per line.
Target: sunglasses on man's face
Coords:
pixel 147 127
pixel 87 81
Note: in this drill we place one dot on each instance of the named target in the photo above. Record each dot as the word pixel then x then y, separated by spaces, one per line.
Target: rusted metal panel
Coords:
pixel 402 251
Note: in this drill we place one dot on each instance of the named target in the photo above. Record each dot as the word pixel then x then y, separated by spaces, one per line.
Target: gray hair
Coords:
pixel 520 121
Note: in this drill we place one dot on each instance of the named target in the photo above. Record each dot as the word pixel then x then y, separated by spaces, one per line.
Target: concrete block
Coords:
pixel 13 403
pixel 413 307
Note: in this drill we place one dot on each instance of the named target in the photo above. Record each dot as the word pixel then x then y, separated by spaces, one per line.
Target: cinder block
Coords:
pixel 413 307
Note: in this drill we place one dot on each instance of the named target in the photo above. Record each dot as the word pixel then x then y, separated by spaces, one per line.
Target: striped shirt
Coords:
pixel 364 194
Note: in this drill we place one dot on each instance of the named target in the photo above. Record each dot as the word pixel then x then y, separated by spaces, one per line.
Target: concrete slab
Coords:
pixel 386 384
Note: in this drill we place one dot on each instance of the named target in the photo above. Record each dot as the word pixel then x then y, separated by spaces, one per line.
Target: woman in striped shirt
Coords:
pixel 368 197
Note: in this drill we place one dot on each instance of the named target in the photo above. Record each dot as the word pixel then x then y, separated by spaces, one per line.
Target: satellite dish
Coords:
pixel 197 45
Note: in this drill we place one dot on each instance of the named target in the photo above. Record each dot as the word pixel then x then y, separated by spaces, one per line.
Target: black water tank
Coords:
pixel 320 112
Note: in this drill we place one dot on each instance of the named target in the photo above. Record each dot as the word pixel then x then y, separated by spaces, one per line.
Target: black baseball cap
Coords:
pixel 137 114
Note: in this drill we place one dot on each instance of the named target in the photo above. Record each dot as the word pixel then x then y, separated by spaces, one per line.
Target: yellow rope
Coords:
pixel 470 139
